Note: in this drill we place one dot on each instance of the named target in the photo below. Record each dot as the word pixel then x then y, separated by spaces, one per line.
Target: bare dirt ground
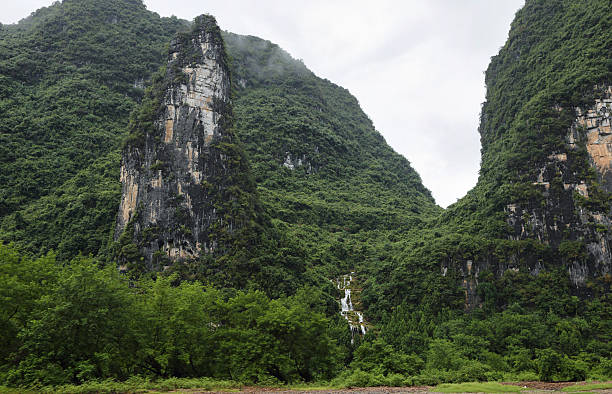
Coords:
pixel 377 390
pixel 554 386
pixel 533 386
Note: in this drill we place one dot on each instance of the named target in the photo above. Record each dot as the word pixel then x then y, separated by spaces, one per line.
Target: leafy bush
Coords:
pixel 380 358
pixel 603 370
pixel 444 355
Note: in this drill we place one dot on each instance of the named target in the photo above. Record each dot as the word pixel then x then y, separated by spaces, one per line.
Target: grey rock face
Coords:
pixel 571 217
pixel 592 128
pixel 568 212
pixel 175 179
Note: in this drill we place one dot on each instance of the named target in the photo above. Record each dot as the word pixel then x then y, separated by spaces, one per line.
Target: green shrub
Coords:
pixel 472 371
pixel 549 364
pixel 444 355
pixel 357 378
pixel 602 370
pixel 380 358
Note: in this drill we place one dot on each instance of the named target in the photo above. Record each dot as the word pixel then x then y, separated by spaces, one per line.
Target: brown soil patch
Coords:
pixel 533 385
pixel 377 390
pixel 541 385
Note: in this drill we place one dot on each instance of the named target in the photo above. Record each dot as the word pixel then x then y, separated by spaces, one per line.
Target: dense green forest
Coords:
pixel 335 198
pixel 72 322
pixel 71 75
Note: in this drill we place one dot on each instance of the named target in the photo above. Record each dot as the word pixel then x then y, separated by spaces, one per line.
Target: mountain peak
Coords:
pixel 182 160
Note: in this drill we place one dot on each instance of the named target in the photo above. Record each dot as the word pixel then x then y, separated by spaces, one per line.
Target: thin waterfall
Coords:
pixel 347 309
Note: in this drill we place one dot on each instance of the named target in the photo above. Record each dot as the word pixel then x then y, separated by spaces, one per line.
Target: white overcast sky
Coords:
pixel 416 66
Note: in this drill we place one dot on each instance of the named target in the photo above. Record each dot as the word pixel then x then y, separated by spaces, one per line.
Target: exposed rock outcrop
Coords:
pixel 592 127
pixel 570 212
pixel 186 184
pixel 575 206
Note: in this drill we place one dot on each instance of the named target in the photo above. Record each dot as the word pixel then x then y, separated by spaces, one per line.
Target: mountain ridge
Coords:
pixel 319 211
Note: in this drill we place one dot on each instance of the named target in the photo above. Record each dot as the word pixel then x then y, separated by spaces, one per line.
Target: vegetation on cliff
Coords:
pixel 71 75
pixel 556 55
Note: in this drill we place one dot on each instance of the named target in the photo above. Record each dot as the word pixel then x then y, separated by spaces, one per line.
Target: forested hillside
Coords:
pixel 541 202
pixel 313 148
pixel 321 168
pixel 530 244
pixel 71 75
pixel 510 283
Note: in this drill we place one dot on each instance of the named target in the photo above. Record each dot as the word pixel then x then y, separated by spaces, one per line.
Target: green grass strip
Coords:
pixel 588 387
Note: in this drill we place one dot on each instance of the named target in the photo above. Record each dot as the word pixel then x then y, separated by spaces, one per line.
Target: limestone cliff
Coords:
pixel 575 205
pixel 186 187
pixel 543 202
pixel 570 214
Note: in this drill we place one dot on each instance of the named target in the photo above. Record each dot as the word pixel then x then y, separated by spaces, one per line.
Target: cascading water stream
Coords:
pixel 355 318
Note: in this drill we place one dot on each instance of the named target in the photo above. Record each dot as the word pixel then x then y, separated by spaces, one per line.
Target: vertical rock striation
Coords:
pixel 575 214
pixel 186 187
pixel 542 207
pixel 592 127
pixel 571 214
